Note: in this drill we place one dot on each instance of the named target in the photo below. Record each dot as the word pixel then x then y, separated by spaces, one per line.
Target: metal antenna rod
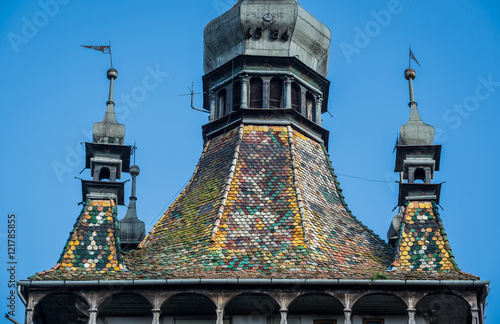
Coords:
pixel 192 99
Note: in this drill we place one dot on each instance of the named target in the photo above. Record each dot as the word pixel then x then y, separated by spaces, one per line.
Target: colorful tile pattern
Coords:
pixel 337 241
pixel 422 244
pixel 261 226
pixel 94 242
pixel 263 202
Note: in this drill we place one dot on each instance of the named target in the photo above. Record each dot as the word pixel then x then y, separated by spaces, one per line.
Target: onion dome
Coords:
pixel 280 28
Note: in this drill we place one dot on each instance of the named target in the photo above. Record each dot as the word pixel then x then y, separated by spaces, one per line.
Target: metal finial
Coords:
pixel 134 172
pixel 112 75
pixel 410 76
pixel 108 130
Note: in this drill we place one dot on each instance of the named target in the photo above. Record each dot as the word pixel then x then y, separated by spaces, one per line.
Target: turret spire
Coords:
pixel 109 131
pixel 415 132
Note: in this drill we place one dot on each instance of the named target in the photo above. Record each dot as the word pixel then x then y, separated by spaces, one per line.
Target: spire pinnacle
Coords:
pixel 415 132
pixel 410 75
pixel 108 131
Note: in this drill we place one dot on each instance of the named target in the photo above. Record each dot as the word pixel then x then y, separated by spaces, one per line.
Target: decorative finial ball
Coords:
pixel 410 73
pixel 134 170
pixel 112 73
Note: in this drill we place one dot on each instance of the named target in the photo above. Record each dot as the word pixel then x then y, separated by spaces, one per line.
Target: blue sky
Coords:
pixel 53 90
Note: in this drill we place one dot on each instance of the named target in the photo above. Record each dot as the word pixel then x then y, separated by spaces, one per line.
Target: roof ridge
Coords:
pixel 205 148
pixel 445 236
pixel 298 194
pixel 227 187
pixel 71 234
pixel 344 203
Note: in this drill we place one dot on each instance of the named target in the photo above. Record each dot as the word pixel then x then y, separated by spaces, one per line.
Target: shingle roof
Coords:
pixel 422 243
pixel 263 202
pixel 93 244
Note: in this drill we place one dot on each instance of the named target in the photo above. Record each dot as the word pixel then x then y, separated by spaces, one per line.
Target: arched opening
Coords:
pixel 236 95
pixel 295 96
pixel 256 92
pixel 104 174
pixel 252 308
pixel 276 93
pixel 444 308
pixel 316 305
pixel 189 305
pixel 61 308
pixel 310 106
pixel 125 305
pixel 420 175
pixel 221 102
pixel 376 307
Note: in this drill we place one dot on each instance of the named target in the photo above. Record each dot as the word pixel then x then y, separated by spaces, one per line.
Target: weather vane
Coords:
pixel 105 49
pixel 412 57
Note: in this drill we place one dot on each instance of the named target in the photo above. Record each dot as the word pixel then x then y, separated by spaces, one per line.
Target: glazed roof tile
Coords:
pixel 422 244
pixel 263 202
pixel 93 245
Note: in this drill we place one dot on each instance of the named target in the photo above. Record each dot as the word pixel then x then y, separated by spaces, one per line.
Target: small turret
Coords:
pixel 106 156
pixel 132 230
pixel 417 158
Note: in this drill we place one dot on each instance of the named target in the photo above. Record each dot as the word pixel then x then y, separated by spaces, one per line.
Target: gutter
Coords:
pixel 20 294
pixel 314 282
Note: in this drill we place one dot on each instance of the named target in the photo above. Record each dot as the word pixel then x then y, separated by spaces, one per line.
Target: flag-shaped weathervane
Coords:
pixel 105 49
pixel 412 57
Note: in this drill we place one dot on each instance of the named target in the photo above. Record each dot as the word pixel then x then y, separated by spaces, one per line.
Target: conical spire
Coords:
pixel 109 131
pixel 415 132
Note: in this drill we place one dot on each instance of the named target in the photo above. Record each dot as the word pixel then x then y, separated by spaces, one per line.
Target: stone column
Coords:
pixel 284 316
pixel 266 86
pixel 244 91
pixel 212 106
pixel 302 108
pixel 93 316
pixel 220 315
pixel 288 92
pixel 156 315
pixel 411 315
pixel 347 315
pixel 319 105
pixel 475 315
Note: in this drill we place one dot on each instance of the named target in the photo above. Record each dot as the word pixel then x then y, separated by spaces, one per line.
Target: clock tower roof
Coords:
pixel 280 28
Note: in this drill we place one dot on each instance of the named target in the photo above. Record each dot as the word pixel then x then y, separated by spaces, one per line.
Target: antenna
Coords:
pixel 191 93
